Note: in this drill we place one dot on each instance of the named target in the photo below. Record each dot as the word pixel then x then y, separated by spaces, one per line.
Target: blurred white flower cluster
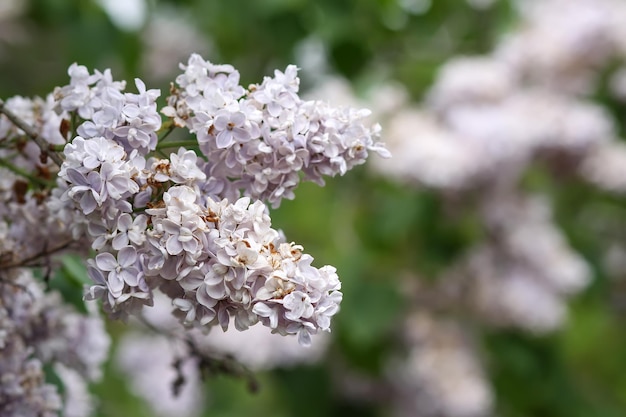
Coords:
pixel 487 119
pixel 38 331
pixel 484 123
pixel 441 375
pixel 192 226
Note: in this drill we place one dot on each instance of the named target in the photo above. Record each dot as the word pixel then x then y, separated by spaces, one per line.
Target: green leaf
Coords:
pixel 70 281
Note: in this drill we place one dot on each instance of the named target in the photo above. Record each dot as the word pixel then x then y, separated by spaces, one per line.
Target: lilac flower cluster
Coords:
pixel 196 228
pixel 128 119
pixel 259 139
pixel 227 260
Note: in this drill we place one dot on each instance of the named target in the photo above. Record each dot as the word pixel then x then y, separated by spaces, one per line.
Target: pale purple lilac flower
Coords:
pixel 196 227
pixel 260 139
pixel 121 271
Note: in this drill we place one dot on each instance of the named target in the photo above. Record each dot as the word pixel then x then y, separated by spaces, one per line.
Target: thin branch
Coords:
pixel 22 287
pixel 56 148
pixel 227 365
pixel 208 364
pixel 175 144
pixel 24 174
pixel 167 128
pixel 30 132
pixel 28 261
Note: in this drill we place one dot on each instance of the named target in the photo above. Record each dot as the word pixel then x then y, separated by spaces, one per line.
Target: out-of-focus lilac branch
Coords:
pixel 43 145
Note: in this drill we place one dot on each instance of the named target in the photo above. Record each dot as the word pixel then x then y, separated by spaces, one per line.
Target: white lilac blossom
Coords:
pixel 128 119
pixel 225 260
pixel 196 226
pixel 261 138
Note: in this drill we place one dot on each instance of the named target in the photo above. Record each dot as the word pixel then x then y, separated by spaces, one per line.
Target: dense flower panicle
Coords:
pixel 130 120
pixel 215 259
pixel 262 137
pixel 196 228
pixel 227 261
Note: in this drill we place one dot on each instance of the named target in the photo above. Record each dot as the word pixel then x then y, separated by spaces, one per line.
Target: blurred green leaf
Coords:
pixel 70 280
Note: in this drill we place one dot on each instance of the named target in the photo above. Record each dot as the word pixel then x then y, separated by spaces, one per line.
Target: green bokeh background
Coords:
pixel 373 231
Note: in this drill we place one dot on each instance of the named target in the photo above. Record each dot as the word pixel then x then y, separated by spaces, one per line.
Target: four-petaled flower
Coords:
pixel 231 128
pixel 122 270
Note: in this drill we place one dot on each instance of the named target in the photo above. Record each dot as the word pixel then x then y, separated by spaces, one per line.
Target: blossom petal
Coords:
pixel 106 262
pixel 115 284
pixel 127 256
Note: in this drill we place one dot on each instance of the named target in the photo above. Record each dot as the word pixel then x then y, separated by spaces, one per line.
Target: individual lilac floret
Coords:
pixel 181 168
pixel 130 231
pixel 121 271
pixel 121 294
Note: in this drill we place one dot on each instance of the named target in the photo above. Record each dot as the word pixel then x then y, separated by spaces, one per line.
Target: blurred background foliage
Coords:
pixel 378 234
